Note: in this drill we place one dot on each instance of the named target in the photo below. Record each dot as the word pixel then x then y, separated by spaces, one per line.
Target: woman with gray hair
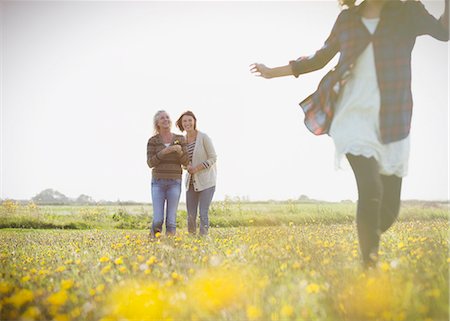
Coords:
pixel 166 153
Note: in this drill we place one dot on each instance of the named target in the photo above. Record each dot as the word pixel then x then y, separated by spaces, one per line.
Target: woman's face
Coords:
pixel 188 123
pixel 164 121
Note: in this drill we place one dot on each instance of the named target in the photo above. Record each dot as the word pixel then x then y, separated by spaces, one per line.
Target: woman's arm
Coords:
pixel 444 18
pixel 262 70
pixel 304 65
pixel 423 23
pixel 153 156
pixel 210 154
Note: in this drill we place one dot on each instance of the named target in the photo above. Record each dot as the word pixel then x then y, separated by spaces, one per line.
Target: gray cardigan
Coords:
pixel 203 152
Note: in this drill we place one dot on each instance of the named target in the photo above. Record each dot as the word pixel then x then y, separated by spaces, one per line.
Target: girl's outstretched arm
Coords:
pixel 261 70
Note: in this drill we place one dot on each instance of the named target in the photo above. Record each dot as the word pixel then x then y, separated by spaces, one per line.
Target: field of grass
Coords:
pixel 222 214
pixel 264 261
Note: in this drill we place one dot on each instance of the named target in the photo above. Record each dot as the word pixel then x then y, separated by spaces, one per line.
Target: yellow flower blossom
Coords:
pixel 58 299
pixel 385 267
pixel 60 268
pixel 31 313
pixel 5 287
pixel 19 298
pixel 217 289
pixel 152 260
pixel 312 288
pixel 106 269
pixel 67 284
pixel 136 301
pixel 26 278
pixel 253 313
pixel 287 311
pixel 176 277
pixel 61 317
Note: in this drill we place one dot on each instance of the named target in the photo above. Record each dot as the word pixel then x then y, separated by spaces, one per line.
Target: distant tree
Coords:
pixel 84 199
pixel 50 196
pixel 303 198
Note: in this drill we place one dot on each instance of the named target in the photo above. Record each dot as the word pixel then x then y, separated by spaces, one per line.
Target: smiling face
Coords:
pixel 188 123
pixel 162 121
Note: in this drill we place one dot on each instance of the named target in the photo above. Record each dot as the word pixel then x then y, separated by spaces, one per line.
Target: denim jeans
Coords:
pixel 194 200
pixel 165 194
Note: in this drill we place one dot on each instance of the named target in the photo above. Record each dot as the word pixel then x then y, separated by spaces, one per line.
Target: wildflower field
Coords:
pixel 284 261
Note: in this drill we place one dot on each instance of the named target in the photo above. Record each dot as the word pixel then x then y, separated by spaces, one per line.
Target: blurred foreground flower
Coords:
pixel 373 297
pixel 136 301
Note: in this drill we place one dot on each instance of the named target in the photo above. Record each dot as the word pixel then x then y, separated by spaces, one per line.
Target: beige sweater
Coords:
pixel 203 152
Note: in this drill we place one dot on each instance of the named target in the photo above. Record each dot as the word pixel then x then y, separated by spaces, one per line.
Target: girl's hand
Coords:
pixel 261 70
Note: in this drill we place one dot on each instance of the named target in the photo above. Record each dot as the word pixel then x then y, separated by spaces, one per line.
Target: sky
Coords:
pixel 81 81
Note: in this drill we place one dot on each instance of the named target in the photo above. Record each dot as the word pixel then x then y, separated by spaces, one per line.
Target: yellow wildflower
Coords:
pixel 58 299
pixel 31 313
pixel 5 287
pixel 26 278
pixel 152 260
pixel 104 259
pixel 19 298
pixel 67 284
pixel 287 310
pixel 136 301
pixel 60 268
pixel 313 288
pixel 106 269
pixel 253 313
pixel 61 317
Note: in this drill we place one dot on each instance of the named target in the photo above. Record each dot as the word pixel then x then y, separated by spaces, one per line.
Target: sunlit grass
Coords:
pixel 291 272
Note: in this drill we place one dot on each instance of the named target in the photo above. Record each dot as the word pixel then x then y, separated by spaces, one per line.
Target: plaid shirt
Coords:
pixel 400 24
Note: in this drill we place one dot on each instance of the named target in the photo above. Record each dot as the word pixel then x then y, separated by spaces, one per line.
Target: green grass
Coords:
pixel 222 214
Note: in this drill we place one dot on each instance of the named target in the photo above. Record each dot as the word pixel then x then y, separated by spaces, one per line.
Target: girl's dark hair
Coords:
pixel 347 3
pixel 186 113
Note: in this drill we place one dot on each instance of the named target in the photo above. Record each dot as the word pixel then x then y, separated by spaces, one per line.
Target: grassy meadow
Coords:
pixel 261 261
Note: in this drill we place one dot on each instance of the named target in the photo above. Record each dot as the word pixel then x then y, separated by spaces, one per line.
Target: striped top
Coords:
pixel 190 151
pixel 166 166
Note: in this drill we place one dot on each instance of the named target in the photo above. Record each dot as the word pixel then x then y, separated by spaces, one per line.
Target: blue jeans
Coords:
pixel 165 193
pixel 193 201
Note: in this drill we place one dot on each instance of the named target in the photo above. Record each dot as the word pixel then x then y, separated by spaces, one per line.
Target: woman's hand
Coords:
pixel 177 148
pixel 261 70
pixel 172 149
pixel 193 169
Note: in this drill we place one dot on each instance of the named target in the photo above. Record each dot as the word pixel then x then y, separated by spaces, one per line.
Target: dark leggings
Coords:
pixel 378 204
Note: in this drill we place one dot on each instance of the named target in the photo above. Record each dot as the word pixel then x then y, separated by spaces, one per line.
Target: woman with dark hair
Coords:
pixel 201 176
pixel 166 153
pixel 365 102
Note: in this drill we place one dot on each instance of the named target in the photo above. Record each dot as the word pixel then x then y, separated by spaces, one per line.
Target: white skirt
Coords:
pixel 356 127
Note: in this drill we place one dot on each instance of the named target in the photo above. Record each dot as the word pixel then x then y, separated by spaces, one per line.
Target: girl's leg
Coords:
pixel 192 207
pixel 158 201
pixel 206 197
pixel 370 191
pixel 390 204
pixel 173 197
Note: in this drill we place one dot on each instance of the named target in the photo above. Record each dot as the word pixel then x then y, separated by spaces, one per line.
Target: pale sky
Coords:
pixel 81 81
